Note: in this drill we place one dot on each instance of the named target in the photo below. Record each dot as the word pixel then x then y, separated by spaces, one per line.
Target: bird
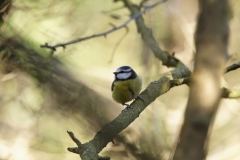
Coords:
pixel 126 85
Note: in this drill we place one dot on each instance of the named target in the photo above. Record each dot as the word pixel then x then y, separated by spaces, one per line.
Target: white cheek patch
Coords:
pixel 124 75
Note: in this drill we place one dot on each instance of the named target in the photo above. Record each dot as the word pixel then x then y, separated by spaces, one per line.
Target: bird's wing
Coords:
pixel 112 87
pixel 132 93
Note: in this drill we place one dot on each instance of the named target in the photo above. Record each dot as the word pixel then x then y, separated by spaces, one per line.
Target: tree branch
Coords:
pixel 135 16
pixel 78 143
pixel 227 93
pixel 232 67
pixel 127 116
pixel 92 148
pixel 181 81
pixel 167 59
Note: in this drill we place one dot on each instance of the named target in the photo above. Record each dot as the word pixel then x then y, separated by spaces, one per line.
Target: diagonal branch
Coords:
pixel 135 16
pixel 181 81
pixel 90 149
pixel 232 67
pixel 166 58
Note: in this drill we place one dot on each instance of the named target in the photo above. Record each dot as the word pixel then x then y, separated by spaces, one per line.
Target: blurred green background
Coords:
pixel 35 114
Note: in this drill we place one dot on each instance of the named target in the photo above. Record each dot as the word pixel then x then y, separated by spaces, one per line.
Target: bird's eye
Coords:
pixel 124 72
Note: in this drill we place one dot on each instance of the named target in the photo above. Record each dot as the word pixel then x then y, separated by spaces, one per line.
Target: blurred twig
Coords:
pixel 118 43
pixel 53 48
pixel 232 67
pixel 112 10
pixel 5 6
pixel 227 93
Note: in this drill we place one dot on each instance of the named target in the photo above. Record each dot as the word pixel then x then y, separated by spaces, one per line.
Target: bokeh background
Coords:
pixel 35 115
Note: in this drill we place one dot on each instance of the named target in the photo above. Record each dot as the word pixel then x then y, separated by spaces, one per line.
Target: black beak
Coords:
pixel 115 73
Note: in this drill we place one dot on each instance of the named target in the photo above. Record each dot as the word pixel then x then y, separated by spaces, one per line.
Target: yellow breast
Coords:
pixel 125 91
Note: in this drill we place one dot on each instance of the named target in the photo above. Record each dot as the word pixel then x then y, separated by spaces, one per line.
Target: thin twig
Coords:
pixel 73 149
pixel 112 10
pixel 146 8
pixel 78 143
pixel 232 67
pixel 118 43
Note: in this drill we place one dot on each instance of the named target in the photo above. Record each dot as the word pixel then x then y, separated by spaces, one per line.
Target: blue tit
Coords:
pixel 126 85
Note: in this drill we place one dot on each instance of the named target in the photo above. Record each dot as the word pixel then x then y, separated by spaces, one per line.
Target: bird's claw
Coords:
pixel 128 106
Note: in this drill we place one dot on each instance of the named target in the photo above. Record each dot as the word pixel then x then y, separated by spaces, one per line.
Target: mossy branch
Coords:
pixel 91 149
